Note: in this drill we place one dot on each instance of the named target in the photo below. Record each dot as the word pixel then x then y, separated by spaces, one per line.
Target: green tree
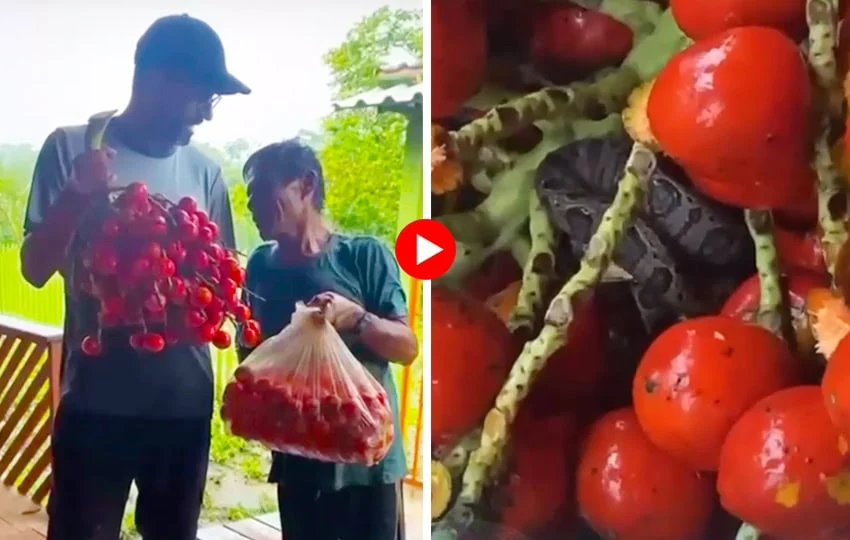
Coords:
pixel 355 64
pixel 363 151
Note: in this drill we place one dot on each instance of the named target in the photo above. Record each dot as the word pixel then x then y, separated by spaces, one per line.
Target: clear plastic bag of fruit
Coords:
pixel 303 392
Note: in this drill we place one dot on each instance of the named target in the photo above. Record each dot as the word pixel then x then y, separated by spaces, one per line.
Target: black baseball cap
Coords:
pixel 190 47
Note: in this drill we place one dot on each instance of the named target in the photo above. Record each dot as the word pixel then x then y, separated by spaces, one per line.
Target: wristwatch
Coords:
pixel 363 322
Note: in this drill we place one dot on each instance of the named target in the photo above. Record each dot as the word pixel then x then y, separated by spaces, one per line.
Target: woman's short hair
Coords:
pixel 285 161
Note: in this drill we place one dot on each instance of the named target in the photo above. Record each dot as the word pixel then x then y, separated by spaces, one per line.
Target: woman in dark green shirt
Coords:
pixel 356 280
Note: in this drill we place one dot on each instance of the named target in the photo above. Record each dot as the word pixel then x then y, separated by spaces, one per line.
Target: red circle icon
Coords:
pixel 425 249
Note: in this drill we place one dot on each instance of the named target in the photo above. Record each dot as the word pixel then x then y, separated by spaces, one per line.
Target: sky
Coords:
pixel 60 61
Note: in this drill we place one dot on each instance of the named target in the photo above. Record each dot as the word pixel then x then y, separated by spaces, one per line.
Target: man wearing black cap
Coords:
pixel 128 416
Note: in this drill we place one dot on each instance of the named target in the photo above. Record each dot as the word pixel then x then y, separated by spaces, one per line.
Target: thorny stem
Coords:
pixel 539 268
pixel 630 192
pixel 822 18
pixel 760 225
pixel 577 100
pixel 832 204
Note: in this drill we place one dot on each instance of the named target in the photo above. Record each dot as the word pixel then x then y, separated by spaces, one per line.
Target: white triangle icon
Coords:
pixel 425 249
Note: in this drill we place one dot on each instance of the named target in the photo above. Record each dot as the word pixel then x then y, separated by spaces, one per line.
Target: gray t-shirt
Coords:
pixel 177 383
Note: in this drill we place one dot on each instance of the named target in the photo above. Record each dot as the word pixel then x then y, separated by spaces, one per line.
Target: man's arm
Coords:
pixel 387 331
pixel 390 338
pixel 51 215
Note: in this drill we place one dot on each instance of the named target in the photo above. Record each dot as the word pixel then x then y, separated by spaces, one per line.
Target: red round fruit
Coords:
pixel 111 226
pixel 188 231
pixel 195 318
pixel 628 488
pixel 180 216
pixel 91 346
pixel 471 355
pixel 152 342
pixel 175 250
pixel 177 290
pixel 253 324
pixel 199 259
pixel 137 340
pixel 745 138
pixel 205 234
pixel 799 250
pixel 700 19
pixel 201 218
pixel 784 468
pixel 216 252
pixel 215 317
pixel 202 296
pixel 210 230
pixel 137 192
pixel 573 374
pixel 249 338
pixel 241 312
pixel 141 268
pixel 538 492
pixel 188 205
pixel 154 303
pixel 456 25
pixel 835 386
pixel 233 270
pixel 743 304
pixel 222 340
pixel 165 268
pixel 699 376
pixel 152 250
pixel 568 41
pixel 158 226
pixel 208 332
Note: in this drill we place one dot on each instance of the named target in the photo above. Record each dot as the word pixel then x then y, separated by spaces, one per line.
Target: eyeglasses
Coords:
pixel 213 101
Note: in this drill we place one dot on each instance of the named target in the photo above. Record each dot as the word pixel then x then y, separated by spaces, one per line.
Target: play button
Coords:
pixel 425 249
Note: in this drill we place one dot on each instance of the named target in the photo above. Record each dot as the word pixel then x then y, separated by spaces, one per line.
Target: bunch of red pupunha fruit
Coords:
pixel 156 269
pixel 304 412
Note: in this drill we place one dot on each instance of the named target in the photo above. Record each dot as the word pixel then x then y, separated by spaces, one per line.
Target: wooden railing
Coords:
pixel 30 365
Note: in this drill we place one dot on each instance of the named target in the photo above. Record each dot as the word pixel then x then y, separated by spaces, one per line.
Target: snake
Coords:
pixel 685 252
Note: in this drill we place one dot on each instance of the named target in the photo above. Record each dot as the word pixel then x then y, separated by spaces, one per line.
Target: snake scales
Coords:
pixel 685 252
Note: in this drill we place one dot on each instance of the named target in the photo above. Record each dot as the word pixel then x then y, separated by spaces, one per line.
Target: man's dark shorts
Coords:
pixel 97 457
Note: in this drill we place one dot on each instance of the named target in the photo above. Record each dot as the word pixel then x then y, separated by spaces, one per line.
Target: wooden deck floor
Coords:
pixel 20 519
pixel 267 527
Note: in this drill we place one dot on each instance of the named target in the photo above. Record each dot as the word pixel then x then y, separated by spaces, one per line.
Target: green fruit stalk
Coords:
pixel 822 17
pixel 539 269
pixel 770 310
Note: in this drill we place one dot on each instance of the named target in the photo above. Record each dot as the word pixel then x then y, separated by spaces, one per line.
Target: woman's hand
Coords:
pixel 338 310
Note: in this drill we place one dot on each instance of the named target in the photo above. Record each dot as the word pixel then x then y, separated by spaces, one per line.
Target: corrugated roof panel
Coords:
pixel 400 94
